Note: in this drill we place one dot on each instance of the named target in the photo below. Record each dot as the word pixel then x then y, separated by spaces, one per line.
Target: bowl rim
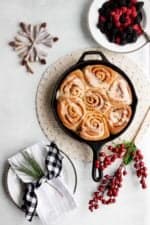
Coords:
pixel 117 46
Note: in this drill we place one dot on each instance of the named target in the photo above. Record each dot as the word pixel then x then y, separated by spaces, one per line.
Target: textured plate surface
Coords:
pixel 101 39
pixel 45 115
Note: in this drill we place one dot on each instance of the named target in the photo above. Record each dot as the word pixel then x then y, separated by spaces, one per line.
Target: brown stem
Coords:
pixel 147 37
pixel 141 124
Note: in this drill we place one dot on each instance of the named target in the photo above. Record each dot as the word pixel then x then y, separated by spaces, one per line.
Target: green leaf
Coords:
pixel 131 147
pixel 33 163
pixel 28 172
pixel 30 167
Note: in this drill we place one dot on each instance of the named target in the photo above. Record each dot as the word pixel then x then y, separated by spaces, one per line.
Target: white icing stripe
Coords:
pixel 119 117
pixel 119 91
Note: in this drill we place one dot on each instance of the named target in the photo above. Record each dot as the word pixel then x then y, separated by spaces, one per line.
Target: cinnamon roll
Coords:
pixel 99 75
pixel 73 85
pixel 95 99
pixel 94 103
pixel 120 92
pixel 93 127
pixel 70 111
pixel 118 117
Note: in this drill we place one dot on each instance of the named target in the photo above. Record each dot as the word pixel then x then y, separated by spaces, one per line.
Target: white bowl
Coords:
pixel 101 38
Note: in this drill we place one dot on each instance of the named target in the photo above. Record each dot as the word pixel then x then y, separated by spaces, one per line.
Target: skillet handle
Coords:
pixel 96 172
pixel 82 58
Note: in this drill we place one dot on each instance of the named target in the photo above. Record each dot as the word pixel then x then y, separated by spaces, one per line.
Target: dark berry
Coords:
pixel 110 37
pixel 115 32
pixel 118 40
pixel 123 42
pixel 129 38
pixel 139 6
pixel 107 12
pixel 134 38
pixel 101 26
pixel 129 30
pixel 106 5
pixel 114 5
pixel 102 19
pixel 122 3
pixel 109 26
pixel 138 19
pixel 120 21
pixel 123 18
pixel 128 3
pixel 101 11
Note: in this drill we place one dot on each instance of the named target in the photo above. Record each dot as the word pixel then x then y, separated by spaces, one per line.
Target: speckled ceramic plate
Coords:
pixel 101 39
pixel 45 115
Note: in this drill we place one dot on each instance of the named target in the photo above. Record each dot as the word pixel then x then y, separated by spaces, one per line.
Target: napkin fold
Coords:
pixel 54 197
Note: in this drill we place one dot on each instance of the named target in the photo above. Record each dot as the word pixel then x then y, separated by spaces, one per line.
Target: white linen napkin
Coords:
pixel 54 198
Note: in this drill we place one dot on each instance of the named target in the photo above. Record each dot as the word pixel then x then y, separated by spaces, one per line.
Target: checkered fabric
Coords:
pixel 53 163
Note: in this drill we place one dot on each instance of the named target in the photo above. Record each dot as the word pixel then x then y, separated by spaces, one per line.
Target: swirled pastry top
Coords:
pixel 99 75
pixel 73 85
pixel 94 102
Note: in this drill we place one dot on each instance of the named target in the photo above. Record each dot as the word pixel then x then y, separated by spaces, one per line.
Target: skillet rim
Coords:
pixel 79 65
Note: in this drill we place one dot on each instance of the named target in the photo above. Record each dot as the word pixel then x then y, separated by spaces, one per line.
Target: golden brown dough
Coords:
pixel 71 112
pixel 118 117
pixel 94 127
pixel 73 85
pixel 99 75
pixel 95 99
pixel 120 92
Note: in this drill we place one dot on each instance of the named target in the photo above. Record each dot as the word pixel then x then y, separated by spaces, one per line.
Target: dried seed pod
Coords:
pixel 28 43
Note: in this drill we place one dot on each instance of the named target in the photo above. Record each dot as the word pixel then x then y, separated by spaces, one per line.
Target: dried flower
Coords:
pixel 29 41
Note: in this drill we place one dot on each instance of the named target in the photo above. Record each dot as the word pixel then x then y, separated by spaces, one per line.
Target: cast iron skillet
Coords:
pixel 95 145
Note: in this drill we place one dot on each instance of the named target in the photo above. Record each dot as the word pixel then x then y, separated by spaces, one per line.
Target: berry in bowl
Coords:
pixel 118 24
pixel 120 20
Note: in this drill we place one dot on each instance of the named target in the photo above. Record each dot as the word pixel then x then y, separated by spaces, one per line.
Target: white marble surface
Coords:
pixel 18 124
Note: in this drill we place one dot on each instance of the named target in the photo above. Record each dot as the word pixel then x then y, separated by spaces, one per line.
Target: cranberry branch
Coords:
pixel 109 186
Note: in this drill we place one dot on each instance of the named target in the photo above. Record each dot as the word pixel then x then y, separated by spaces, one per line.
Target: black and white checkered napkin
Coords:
pixel 53 163
pixel 48 197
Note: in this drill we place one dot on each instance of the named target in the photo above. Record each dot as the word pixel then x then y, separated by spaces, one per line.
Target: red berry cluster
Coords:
pixel 108 189
pixel 119 150
pixel 120 20
pixel 125 14
pixel 141 170
pixel 106 160
pixel 110 185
